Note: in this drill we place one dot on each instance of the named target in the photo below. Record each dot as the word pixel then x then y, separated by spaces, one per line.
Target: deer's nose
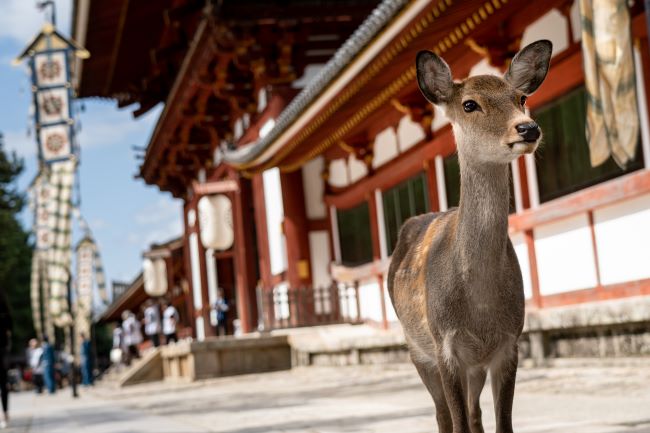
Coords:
pixel 528 131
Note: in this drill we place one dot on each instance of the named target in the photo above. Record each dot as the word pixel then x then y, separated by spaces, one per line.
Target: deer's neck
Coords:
pixel 483 216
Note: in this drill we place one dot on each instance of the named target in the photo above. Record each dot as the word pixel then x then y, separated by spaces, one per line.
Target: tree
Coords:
pixel 15 250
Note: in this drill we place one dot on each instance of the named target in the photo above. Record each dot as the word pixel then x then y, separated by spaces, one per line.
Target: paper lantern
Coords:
pixel 215 219
pixel 155 277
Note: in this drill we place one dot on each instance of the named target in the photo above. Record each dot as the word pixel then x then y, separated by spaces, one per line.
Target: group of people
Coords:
pixel 127 336
pixel 42 360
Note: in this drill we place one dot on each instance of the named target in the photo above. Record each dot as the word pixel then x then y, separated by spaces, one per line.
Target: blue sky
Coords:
pixel 125 215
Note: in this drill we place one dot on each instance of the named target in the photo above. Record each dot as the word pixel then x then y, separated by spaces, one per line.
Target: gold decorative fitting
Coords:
pixel 454 37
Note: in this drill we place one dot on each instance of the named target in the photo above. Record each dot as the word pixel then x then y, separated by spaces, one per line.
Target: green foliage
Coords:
pixel 15 251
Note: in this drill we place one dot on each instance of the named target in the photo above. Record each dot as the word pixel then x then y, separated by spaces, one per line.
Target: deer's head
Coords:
pixel 487 112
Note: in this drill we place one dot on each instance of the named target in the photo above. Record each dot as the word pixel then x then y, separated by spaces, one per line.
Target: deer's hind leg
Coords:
pixel 428 371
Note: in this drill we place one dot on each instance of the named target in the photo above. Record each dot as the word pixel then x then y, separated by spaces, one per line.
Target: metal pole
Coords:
pixel 73 343
pixel 41 5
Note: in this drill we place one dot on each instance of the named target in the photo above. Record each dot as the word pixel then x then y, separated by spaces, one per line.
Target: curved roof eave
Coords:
pixel 371 26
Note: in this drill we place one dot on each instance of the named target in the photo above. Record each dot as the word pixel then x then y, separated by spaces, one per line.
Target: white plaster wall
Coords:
pixel 552 26
pixel 391 315
pixel 213 279
pixel 370 300
pixel 521 249
pixel 238 129
pixel 565 256
pixel 339 173
pixel 266 128
pixel 274 217
pixel 439 118
pixel 385 147
pixel 358 169
pixel 314 187
pixel 196 272
pixel 576 23
pixel 196 284
pixel 319 250
pixel 484 68
pixel 310 73
pixel 408 133
pixel 623 240
pixel 261 100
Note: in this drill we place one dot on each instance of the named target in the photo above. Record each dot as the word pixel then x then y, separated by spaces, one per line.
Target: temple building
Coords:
pixel 299 142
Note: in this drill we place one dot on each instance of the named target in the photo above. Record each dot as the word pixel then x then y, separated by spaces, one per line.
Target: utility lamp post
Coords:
pixel 73 344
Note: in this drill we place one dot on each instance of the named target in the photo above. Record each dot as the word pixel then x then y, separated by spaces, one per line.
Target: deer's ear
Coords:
pixel 434 77
pixel 529 67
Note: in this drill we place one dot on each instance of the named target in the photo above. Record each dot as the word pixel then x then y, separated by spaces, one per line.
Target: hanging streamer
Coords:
pixel 61 181
pixel 49 56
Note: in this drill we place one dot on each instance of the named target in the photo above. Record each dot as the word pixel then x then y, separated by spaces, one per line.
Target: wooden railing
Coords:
pixel 310 306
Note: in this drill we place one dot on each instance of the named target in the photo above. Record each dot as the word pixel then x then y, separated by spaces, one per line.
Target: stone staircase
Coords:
pixel 146 369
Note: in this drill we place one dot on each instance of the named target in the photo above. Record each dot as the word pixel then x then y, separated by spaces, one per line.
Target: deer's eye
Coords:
pixel 470 106
pixel 523 100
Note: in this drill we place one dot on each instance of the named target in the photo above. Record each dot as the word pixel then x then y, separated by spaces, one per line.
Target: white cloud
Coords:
pixel 21 20
pixel 157 223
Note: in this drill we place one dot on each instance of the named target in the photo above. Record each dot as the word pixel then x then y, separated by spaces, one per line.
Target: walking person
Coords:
pixel 220 309
pixel 170 321
pixel 34 358
pixel 152 322
pixel 86 361
pixel 118 351
pixel 132 335
pixel 5 344
pixel 48 359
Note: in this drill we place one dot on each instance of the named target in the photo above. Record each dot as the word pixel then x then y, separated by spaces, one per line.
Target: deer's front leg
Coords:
pixel 452 382
pixel 475 383
pixel 502 376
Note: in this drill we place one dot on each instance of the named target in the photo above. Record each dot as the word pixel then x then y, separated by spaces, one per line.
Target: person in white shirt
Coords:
pixel 170 320
pixel 34 355
pixel 152 322
pixel 132 335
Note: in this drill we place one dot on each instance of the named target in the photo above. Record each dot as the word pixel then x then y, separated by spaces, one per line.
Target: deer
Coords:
pixel 454 278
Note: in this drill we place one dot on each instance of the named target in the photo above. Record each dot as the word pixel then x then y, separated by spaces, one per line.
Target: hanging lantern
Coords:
pixel 155 276
pixel 215 221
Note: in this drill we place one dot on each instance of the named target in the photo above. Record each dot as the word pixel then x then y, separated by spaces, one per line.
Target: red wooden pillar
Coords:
pixel 376 252
pixel 432 185
pixel 534 275
pixel 295 227
pixel 252 275
pixel 246 306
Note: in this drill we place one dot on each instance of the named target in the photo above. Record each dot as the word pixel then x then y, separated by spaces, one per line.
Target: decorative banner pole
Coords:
pixel 49 56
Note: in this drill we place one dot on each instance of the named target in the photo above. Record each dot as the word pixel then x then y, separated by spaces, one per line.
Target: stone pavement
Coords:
pixel 377 399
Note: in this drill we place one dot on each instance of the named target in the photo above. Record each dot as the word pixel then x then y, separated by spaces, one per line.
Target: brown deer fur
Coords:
pixel 454 278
